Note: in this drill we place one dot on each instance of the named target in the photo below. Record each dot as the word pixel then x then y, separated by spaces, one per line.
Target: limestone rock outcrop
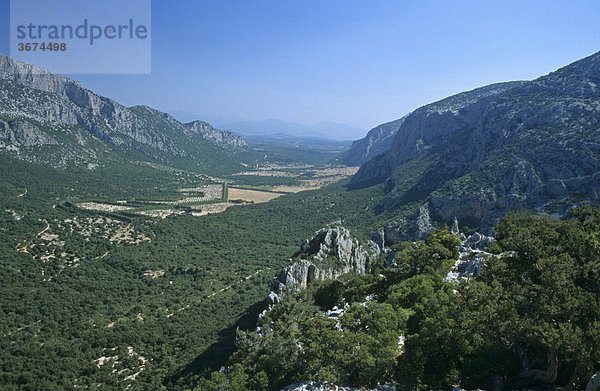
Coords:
pixel 330 253
pixel 471 255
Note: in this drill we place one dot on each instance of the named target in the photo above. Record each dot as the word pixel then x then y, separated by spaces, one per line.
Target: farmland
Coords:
pixel 218 194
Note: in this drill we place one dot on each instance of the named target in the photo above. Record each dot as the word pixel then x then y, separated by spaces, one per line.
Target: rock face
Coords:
pixel 39 108
pixel 474 156
pixel 329 254
pixel 219 137
pixel 377 141
pixel 471 254
pixel 23 133
pixel 416 226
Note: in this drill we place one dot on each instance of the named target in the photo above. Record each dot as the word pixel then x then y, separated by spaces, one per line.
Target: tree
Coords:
pixel 435 255
pixel 542 298
pixel 329 294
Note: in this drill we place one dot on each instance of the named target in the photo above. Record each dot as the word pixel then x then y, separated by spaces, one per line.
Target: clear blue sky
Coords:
pixel 357 62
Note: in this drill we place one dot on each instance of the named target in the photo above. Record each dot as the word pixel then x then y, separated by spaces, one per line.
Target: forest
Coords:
pixel 109 300
pixel 531 319
pixel 106 299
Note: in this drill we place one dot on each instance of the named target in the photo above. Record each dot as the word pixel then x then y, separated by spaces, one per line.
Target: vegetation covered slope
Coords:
pixel 80 288
pixel 97 298
pixel 529 321
pixel 533 144
pixel 111 300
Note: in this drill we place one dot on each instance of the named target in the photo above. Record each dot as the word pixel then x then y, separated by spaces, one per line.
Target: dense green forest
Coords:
pixel 531 319
pixel 106 300
pixel 103 299
pixel 139 252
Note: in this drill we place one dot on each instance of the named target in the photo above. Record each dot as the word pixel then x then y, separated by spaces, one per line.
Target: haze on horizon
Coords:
pixel 353 62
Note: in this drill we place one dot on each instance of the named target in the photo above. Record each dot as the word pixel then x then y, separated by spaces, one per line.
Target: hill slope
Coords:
pixel 474 156
pixel 377 141
pixel 49 118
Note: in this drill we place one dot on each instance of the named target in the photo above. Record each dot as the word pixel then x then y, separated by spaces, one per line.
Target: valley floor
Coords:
pixel 107 285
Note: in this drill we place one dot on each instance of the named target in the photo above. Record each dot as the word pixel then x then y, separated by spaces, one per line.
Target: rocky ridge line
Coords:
pixel 40 108
pixel 330 253
pixel 508 146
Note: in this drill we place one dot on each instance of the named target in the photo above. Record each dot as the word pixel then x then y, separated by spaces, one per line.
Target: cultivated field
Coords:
pixel 207 198
pixel 255 196
pixel 299 171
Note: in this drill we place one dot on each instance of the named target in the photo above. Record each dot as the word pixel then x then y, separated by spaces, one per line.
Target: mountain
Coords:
pixel 285 149
pixel 508 146
pixel 222 138
pixel 52 119
pixel 377 141
pixel 327 130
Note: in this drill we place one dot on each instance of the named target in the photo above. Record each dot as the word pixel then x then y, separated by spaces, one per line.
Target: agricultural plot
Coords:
pixel 251 187
pixel 293 179
pixel 254 196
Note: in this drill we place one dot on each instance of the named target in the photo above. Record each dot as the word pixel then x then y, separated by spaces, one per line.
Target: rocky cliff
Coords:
pixel 474 156
pixel 219 137
pixel 377 141
pixel 52 119
pixel 330 253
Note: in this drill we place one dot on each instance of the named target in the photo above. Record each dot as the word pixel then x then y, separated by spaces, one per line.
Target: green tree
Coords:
pixel 542 298
pixel 329 294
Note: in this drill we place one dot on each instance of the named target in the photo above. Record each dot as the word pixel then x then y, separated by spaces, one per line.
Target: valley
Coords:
pixel 151 262
pixel 199 199
pixel 140 252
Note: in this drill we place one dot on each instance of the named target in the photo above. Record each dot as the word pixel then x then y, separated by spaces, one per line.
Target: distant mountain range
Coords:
pixel 326 130
pixel 508 146
pixel 49 118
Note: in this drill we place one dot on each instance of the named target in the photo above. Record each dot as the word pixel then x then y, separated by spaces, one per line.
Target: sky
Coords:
pixel 361 63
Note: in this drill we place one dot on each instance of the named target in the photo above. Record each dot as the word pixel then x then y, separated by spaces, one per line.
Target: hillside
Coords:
pixel 120 299
pixel 52 119
pixel 476 155
pixel 519 317
pixel 377 141
pixel 81 286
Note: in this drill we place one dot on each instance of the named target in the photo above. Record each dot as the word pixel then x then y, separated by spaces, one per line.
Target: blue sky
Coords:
pixel 356 62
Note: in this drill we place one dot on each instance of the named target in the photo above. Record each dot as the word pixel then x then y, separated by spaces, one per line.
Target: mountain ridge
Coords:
pixel 377 141
pixel 515 145
pixel 73 124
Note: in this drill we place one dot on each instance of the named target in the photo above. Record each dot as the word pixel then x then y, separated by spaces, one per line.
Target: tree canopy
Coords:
pixel 531 319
